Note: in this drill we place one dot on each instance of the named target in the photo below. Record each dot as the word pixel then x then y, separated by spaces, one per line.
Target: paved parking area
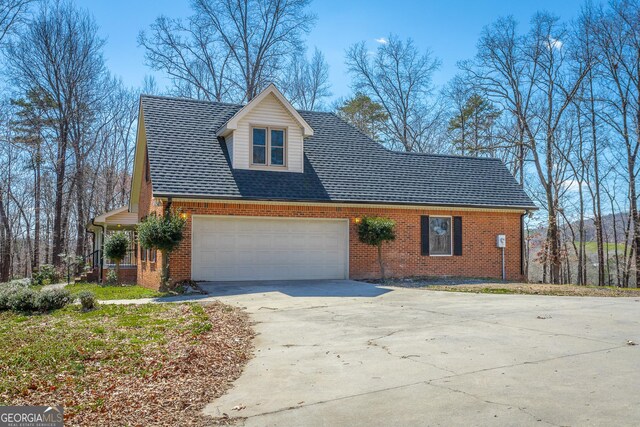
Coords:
pixel 351 353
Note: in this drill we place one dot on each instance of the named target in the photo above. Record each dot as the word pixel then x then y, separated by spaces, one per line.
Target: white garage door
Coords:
pixel 238 248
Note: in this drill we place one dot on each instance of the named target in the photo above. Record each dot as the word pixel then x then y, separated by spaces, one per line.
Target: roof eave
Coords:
pixel 357 202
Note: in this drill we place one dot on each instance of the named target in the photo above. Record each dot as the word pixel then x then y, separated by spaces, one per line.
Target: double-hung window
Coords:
pixel 268 146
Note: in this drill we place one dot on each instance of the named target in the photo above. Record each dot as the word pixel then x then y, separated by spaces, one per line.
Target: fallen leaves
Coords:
pixel 168 384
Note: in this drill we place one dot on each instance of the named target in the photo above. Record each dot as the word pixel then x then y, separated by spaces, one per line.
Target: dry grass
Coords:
pixel 538 289
pixel 147 365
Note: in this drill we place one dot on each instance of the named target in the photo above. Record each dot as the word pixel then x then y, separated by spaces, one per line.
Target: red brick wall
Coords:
pixel 149 273
pixel 126 275
pixel 402 257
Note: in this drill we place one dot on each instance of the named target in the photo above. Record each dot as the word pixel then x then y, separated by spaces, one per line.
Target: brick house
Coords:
pixel 272 193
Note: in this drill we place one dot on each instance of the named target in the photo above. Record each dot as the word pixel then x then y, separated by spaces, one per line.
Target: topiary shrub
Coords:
pixel 163 233
pixel 52 299
pixel 375 231
pixel 45 275
pixel 116 248
pixel 87 300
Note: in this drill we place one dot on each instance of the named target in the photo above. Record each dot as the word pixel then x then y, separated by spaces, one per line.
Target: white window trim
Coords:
pixel 450 235
pixel 267 154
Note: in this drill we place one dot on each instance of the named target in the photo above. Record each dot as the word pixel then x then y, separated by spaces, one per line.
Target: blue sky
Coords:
pixel 450 28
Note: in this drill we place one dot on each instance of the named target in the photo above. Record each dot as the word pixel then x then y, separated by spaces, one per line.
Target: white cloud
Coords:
pixel 382 40
pixel 555 43
pixel 572 185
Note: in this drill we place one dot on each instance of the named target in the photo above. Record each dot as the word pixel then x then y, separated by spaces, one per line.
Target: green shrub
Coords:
pixel 87 300
pixel 375 231
pixel 116 246
pixel 23 299
pixel 45 275
pixel 163 233
pixel 52 299
pixel 6 294
pixel 112 277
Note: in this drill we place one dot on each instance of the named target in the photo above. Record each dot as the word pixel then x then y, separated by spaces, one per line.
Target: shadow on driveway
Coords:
pixel 296 288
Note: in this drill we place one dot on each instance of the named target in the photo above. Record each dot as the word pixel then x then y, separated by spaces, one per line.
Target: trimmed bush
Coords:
pixel 87 300
pixel 52 299
pixel 116 248
pixel 6 294
pixel 23 300
pixel 165 234
pixel 375 231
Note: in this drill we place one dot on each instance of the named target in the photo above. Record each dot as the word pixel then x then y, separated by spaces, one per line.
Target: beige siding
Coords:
pixel 269 112
pixel 123 218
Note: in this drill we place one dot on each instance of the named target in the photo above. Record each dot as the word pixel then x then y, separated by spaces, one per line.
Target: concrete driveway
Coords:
pixel 350 353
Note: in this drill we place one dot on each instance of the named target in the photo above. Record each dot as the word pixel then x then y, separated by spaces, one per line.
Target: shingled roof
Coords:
pixel 341 164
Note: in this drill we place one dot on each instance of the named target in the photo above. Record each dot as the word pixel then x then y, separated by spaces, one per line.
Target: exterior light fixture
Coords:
pixel 357 220
pixel 183 215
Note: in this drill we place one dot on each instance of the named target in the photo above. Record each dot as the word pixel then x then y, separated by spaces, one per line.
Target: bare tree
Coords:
pixel 399 77
pixel 617 35
pixel 191 55
pixel 59 55
pixel 230 49
pixel 535 79
pixel 306 83
pixel 12 13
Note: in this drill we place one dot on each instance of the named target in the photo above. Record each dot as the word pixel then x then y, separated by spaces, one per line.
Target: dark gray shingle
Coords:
pixel 340 165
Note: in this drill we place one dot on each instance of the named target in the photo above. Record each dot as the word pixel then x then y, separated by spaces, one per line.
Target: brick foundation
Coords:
pixel 125 275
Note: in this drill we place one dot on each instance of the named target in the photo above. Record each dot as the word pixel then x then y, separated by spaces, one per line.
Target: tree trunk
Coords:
pixel 597 205
pixel 58 237
pixel 5 241
pixel 36 209
pixel 164 281
pixel 380 261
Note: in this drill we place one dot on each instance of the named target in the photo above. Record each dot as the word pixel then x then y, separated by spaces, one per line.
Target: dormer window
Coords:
pixel 268 146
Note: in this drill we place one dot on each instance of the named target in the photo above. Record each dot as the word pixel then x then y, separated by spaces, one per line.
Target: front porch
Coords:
pixel 101 227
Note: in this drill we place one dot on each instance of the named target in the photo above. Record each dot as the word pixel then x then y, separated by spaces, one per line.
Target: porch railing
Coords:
pixel 92 260
pixel 129 260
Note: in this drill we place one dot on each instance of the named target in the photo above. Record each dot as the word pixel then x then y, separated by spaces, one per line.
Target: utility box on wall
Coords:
pixel 501 241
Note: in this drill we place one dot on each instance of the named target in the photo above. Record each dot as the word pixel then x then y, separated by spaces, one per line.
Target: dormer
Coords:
pixel 267 134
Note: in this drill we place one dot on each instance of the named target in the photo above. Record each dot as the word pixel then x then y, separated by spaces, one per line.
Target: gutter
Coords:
pixel 170 196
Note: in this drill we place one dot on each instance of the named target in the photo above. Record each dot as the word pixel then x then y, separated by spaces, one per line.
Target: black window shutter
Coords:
pixel 457 235
pixel 424 235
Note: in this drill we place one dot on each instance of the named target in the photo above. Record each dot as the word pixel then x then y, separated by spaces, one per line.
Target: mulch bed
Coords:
pixel 181 375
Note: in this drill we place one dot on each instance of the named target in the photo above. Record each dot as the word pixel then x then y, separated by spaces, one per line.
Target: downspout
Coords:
pixel 101 261
pixel 522 243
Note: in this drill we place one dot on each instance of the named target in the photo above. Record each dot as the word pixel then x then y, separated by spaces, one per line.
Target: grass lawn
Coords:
pixel 115 292
pixel 592 247
pixel 124 364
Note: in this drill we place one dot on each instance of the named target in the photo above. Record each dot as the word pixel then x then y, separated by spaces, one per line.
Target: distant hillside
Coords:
pixel 608 221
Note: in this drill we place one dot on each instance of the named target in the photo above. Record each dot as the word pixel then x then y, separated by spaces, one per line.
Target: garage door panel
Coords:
pixel 237 248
